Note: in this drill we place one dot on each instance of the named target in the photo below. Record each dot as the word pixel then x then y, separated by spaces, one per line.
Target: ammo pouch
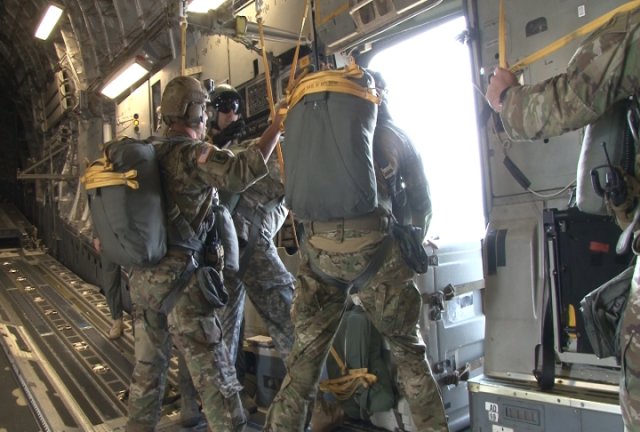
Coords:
pixel 212 287
pixel 409 239
pixel 221 249
pixel 602 311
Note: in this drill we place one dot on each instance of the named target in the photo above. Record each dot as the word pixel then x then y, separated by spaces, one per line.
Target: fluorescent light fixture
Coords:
pixel 203 6
pixel 48 22
pixel 127 76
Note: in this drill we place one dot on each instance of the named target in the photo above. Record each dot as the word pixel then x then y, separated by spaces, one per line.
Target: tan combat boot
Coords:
pixel 116 329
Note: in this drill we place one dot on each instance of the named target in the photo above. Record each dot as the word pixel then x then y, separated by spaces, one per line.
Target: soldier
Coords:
pixel 111 285
pixel 191 171
pixel 339 251
pixel 604 70
pixel 258 213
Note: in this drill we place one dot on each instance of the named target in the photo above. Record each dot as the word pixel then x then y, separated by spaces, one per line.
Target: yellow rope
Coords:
pixel 351 381
pixel 559 43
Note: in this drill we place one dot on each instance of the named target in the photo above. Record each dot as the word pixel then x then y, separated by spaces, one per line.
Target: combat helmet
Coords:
pixel 184 98
pixel 225 98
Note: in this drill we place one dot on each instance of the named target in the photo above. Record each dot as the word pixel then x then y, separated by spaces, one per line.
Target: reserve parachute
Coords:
pixel 126 202
pixel 329 170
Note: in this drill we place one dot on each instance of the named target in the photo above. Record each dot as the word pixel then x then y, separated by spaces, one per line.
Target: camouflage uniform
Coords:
pixel 390 299
pixel 190 169
pixel 262 276
pixel 604 70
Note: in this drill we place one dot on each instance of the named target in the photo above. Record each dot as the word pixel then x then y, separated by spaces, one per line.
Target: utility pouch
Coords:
pixel 409 239
pixel 221 251
pixel 212 287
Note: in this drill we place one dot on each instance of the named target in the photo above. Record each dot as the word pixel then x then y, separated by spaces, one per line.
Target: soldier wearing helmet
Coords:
pixel 192 171
pixel 227 123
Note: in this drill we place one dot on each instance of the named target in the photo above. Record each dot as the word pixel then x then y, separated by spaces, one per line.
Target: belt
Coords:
pixel 370 222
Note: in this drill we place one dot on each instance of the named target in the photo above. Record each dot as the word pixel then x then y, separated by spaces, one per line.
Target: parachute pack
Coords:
pixel 126 202
pixel 328 146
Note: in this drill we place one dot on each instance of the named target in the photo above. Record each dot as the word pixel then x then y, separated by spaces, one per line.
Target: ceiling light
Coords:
pixel 124 78
pixel 203 6
pixel 48 22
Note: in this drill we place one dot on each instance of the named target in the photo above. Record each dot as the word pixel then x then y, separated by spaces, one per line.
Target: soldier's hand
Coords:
pixel 233 131
pixel 501 80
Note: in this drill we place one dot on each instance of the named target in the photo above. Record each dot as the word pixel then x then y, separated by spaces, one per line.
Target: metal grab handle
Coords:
pixel 359 6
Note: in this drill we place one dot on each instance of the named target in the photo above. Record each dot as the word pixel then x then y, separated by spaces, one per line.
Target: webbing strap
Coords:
pixel 352 380
pixel 502 40
pixel 179 285
pixel 559 43
pixel 282 111
pixel 364 277
pixel 346 386
pixel 101 174
pixel 333 81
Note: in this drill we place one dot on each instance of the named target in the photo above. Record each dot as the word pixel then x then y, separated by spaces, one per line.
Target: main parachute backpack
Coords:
pixel 126 202
pixel 328 146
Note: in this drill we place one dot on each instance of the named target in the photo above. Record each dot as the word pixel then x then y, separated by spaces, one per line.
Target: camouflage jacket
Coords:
pixel 604 70
pixel 395 150
pixel 191 171
pixel 263 192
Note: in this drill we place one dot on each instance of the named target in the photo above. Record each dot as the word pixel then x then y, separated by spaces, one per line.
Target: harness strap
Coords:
pixel 101 174
pixel 333 81
pixel 179 285
pixel 363 278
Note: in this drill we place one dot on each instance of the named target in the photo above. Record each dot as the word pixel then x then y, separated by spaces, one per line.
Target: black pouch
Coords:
pixel 212 287
pixel 221 250
pixel 409 239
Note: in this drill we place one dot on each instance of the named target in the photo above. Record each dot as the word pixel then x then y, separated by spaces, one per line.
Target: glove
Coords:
pixel 233 131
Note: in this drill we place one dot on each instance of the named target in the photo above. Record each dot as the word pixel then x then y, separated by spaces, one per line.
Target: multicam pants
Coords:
pixel 270 287
pixel 194 329
pixel 630 346
pixel 392 303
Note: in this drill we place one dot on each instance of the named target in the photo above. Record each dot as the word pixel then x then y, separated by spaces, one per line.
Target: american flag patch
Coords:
pixel 204 154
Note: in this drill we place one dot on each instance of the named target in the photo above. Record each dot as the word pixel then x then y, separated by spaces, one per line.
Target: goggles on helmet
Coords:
pixel 226 104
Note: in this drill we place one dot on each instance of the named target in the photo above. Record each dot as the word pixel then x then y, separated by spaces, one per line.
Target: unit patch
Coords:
pixel 204 154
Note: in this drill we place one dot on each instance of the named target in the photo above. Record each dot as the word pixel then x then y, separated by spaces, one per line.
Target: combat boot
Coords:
pixel 116 329
pixel 239 417
pixel 190 415
pixel 248 402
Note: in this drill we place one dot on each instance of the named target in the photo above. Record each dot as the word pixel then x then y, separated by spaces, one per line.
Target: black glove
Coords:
pixel 233 131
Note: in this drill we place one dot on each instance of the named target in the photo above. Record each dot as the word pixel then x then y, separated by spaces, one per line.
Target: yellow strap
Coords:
pixel 333 81
pixel 103 179
pixel 338 360
pixel 582 31
pixel 101 174
pixel 344 387
pixel 294 64
pixel 572 316
pixel 502 39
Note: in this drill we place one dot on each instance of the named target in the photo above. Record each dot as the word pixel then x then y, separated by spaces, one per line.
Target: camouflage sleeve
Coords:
pixel 604 69
pixel 226 170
